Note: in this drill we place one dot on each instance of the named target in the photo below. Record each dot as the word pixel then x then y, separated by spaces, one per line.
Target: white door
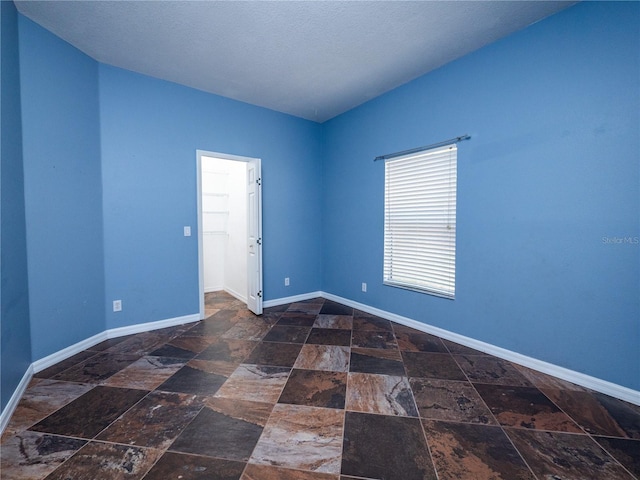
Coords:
pixel 254 231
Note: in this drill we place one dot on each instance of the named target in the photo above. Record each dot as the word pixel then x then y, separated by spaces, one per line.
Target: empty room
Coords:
pixel 320 240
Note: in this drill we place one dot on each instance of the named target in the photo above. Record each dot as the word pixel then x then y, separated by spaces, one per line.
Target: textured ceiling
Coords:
pixel 311 59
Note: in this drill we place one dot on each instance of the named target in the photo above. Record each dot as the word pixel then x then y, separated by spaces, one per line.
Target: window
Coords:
pixel 420 221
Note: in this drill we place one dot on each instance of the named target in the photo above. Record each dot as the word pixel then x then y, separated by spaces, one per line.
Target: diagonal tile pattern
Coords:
pixel 313 390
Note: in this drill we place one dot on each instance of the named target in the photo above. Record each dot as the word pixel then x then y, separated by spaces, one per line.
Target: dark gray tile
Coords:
pixel 598 413
pixel 462 451
pixel 97 368
pixel 296 319
pixel 333 308
pixel 565 456
pixel 330 336
pixel 214 434
pixel 450 400
pixel 155 421
pixel 193 380
pixel 65 364
pixel 432 365
pixel 100 347
pixel 141 344
pixel 211 327
pixel 487 369
pixel 373 339
pixel 525 407
pixel 385 447
pixel 305 307
pixel 276 354
pixel 41 399
pixel 287 334
pixel 366 321
pixel 173 352
pixel 194 467
pixel 90 413
pixel 456 348
pixel 413 340
pixel 372 360
pixel 227 350
pixel 276 309
pixel 626 451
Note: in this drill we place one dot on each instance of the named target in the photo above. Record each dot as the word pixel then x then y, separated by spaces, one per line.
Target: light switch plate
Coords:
pixel 187 231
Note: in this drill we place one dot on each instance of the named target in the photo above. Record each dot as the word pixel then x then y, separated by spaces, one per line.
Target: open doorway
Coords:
pixel 224 226
pixel 230 228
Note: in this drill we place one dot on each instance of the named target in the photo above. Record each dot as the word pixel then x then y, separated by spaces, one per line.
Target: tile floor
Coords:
pixel 309 391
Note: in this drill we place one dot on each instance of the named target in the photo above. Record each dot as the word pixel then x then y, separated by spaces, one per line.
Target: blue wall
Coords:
pixel 150 132
pixel 63 190
pixel 14 298
pixel 552 170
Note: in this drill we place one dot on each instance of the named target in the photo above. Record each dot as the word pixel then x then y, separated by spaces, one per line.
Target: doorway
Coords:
pixel 230 227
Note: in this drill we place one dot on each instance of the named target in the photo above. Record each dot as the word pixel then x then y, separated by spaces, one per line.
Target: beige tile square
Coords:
pixel 324 357
pixel 146 373
pixel 307 438
pixel 334 321
pixel 255 382
pixel 384 394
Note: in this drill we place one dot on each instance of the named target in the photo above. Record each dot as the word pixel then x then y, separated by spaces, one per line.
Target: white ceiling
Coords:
pixel 311 59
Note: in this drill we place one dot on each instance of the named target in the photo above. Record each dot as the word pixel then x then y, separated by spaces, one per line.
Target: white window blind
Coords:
pixel 420 221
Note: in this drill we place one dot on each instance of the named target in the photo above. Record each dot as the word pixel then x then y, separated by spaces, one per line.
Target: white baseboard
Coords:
pixel 296 298
pixel 239 296
pixel 71 350
pixel 593 383
pixel 8 410
pixel 67 352
pixel 149 326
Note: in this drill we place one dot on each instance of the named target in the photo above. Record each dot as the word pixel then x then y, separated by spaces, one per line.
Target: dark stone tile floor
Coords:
pixel 314 390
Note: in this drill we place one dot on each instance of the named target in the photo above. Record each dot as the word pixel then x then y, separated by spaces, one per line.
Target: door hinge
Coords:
pixel 259 181
pixel 259 241
pixel 259 294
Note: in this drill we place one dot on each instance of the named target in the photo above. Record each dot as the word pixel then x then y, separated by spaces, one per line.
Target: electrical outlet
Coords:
pixel 364 287
pixel 286 281
pixel 117 305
